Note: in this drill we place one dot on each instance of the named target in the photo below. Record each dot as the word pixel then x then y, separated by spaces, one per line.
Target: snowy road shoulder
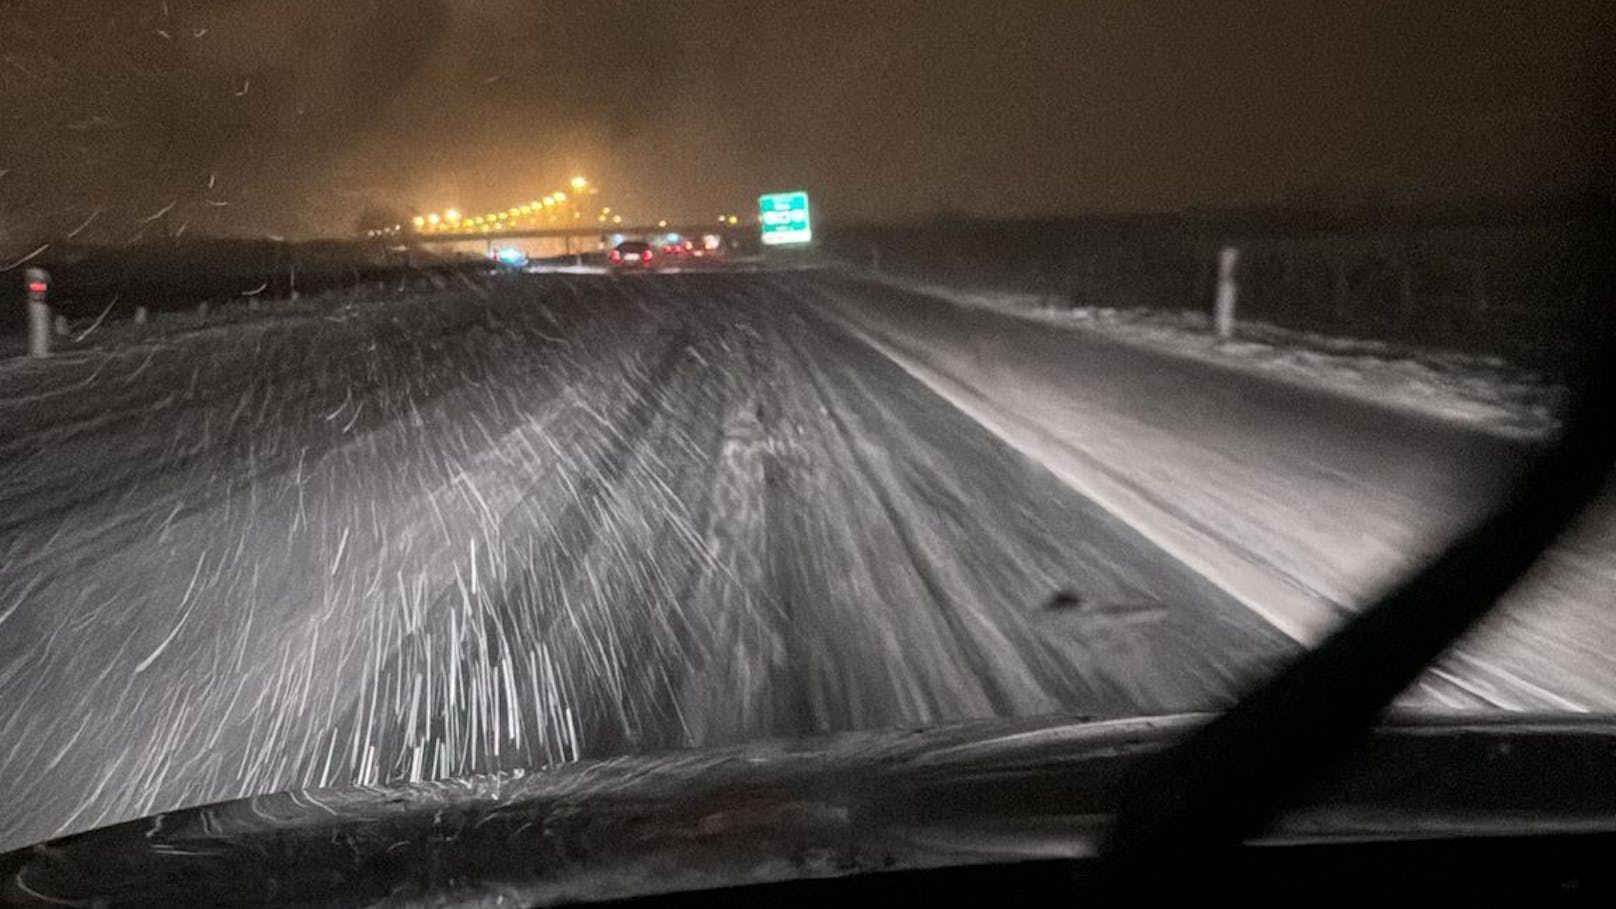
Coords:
pixel 1301 502
pixel 1478 391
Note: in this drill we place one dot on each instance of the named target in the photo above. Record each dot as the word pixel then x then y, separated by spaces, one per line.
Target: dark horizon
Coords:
pixel 285 117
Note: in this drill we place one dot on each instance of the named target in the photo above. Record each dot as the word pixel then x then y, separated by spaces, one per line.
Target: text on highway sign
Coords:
pixel 784 218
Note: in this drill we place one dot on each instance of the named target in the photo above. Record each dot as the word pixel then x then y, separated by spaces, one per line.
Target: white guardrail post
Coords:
pixel 39 314
pixel 1223 313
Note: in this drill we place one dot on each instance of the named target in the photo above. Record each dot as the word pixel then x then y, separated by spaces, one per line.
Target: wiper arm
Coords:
pixel 1225 782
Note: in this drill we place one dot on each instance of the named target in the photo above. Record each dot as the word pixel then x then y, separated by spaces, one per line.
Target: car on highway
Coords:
pixel 690 249
pixel 631 255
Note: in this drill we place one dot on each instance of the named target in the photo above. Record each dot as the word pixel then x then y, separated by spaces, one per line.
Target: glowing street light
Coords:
pixel 578 184
pixel 452 215
pixel 734 220
pixel 662 222
pixel 617 219
pixel 560 196
pixel 419 221
pixel 433 219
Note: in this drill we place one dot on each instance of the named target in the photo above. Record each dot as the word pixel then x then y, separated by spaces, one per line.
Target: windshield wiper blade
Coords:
pixel 1197 801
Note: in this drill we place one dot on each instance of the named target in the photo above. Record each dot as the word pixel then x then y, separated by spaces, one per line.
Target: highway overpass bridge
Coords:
pixel 542 242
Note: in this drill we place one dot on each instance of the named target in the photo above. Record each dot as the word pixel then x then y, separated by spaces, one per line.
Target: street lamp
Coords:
pixel 452 215
pixel 578 184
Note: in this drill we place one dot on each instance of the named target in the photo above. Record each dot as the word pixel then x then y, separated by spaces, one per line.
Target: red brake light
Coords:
pixel 617 256
pixel 646 256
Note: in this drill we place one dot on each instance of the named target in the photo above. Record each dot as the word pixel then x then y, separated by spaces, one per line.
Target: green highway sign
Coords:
pixel 785 218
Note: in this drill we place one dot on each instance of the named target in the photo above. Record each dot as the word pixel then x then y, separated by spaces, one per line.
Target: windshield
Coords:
pixel 1020 359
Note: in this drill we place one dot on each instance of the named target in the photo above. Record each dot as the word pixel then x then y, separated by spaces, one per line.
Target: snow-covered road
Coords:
pixel 572 516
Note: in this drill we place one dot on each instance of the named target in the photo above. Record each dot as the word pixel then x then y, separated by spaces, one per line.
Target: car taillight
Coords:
pixel 617 256
pixel 646 256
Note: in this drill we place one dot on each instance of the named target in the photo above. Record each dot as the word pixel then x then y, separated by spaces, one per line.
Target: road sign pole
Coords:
pixel 39 314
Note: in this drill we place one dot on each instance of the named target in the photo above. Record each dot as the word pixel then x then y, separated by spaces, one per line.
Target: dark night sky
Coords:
pixel 304 112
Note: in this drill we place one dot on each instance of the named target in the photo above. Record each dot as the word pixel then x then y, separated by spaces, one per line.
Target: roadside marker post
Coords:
pixel 39 315
pixel 1223 311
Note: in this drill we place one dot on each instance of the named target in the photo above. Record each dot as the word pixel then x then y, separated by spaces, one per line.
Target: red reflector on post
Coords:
pixel 37 287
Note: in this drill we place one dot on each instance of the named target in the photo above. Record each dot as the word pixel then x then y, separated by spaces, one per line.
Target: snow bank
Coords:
pixel 1482 391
